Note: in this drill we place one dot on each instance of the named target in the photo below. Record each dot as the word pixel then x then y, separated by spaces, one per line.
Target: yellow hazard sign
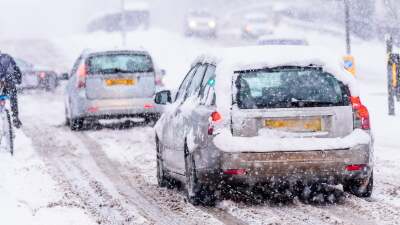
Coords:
pixel 349 64
pixel 394 75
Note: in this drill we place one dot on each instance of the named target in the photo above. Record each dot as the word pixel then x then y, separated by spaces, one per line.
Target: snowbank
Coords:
pixel 267 143
pixel 29 195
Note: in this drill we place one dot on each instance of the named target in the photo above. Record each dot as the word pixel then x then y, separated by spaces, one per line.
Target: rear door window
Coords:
pixel 207 86
pixel 195 84
pixel 120 63
pixel 289 87
pixel 185 84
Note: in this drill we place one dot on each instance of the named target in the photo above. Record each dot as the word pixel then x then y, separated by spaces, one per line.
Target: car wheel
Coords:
pixel 161 176
pixel 360 188
pixel 51 84
pixel 67 121
pixel 76 124
pixel 196 193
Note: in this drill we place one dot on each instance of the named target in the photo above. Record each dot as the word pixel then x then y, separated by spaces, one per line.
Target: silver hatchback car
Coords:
pixel 251 117
pixel 111 84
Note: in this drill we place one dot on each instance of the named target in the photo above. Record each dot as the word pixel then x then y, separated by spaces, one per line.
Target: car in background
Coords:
pixel 112 84
pixel 271 40
pixel 264 117
pixel 256 24
pixel 36 78
pixel 200 23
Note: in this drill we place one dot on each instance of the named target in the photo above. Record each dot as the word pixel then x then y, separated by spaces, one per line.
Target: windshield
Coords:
pixel 120 63
pixel 289 88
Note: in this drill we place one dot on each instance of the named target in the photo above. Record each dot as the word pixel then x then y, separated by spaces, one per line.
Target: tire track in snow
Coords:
pixel 145 203
pixel 58 158
pixel 164 197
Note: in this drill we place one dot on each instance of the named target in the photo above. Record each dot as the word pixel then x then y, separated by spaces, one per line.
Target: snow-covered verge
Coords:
pixel 28 193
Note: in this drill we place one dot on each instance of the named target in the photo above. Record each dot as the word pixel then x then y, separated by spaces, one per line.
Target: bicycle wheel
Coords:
pixel 9 134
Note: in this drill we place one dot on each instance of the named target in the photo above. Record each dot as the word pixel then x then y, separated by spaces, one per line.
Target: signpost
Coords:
pixel 123 23
pixel 349 61
pixel 393 71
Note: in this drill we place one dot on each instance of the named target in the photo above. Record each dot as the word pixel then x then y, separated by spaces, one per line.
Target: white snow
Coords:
pixel 266 142
pixel 28 193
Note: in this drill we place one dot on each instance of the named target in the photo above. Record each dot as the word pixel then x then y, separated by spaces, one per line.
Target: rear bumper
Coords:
pixel 328 166
pixel 118 108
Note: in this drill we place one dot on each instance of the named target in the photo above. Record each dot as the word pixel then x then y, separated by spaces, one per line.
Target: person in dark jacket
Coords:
pixel 11 75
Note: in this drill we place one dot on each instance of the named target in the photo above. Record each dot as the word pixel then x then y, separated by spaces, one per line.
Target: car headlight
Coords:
pixel 192 24
pixel 212 24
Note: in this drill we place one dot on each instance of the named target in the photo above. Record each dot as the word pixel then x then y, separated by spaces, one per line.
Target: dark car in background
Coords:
pixel 36 77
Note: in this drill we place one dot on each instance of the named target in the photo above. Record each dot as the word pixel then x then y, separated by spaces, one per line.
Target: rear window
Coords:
pixel 120 63
pixel 289 87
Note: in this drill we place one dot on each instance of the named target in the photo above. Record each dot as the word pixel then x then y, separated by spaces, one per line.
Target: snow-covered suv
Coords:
pixel 264 116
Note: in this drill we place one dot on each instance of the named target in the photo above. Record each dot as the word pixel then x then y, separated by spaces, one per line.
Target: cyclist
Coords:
pixel 11 74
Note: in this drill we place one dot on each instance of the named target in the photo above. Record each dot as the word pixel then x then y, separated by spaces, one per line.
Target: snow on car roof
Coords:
pixel 231 60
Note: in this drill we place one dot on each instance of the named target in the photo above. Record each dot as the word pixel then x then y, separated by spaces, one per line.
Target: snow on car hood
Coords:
pixel 230 60
pixel 270 143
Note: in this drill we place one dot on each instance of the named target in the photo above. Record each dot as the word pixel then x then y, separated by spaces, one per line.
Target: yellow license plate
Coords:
pixel 113 82
pixel 300 125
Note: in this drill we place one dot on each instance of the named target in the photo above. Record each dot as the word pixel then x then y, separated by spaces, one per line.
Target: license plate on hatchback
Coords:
pixel 313 124
pixel 114 82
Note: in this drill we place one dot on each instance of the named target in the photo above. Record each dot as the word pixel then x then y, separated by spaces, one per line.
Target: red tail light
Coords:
pixel 148 106
pixel 355 167
pixel 235 172
pixel 158 81
pixel 82 73
pixel 214 119
pixel 42 75
pixel 361 114
pixel 93 109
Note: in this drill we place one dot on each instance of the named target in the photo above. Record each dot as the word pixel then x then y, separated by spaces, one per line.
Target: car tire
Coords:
pixel 76 124
pixel 67 120
pixel 196 193
pixel 161 175
pixel 360 188
pixel 51 84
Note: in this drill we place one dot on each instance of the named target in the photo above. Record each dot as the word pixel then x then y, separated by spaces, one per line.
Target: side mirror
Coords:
pixel 163 72
pixel 163 97
pixel 65 76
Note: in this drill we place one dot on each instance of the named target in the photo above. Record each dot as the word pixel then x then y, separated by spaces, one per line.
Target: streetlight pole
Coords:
pixel 123 23
pixel 347 24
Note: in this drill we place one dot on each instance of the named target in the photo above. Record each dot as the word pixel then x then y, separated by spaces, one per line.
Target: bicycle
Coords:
pixel 6 128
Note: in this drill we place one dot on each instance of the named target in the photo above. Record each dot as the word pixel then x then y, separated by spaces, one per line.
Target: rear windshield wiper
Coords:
pixel 294 100
pixel 114 70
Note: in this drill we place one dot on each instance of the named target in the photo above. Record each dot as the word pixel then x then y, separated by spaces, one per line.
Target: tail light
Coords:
pixel 158 81
pixel 356 167
pixel 214 119
pixel 148 106
pixel 361 114
pixel 2 102
pixel 42 75
pixel 82 73
pixel 235 172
